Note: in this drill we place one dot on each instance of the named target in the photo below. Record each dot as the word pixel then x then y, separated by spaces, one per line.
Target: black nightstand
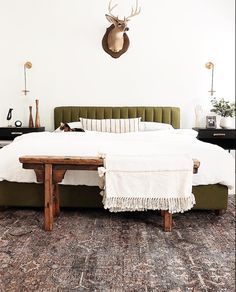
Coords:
pixel 221 137
pixel 8 134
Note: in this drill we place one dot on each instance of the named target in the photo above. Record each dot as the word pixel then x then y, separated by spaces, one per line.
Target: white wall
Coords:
pixel 170 42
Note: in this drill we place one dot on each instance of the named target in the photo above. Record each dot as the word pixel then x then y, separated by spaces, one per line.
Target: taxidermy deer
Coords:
pixel 116 40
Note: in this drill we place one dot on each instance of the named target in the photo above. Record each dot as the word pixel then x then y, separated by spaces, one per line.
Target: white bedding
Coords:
pixel 217 165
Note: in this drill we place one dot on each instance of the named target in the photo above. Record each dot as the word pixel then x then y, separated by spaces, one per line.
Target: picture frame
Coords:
pixel 211 122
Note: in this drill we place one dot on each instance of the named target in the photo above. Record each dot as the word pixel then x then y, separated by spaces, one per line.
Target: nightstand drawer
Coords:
pixel 10 133
pixel 224 138
pixel 216 133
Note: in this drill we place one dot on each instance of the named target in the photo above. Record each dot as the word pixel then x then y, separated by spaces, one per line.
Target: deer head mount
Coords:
pixel 115 41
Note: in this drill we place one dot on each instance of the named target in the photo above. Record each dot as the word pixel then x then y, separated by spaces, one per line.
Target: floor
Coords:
pixel 94 250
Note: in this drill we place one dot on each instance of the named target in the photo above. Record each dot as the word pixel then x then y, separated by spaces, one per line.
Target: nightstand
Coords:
pixel 8 134
pixel 224 138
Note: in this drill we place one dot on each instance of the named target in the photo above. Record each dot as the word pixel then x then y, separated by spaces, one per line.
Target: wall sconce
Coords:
pixel 27 65
pixel 211 66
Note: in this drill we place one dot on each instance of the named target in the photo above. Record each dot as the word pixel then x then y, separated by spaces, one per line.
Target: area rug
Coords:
pixel 94 250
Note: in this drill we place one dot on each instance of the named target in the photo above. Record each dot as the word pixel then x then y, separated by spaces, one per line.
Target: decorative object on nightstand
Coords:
pixel 37 119
pixel 31 122
pixel 226 123
pixel 211 66
pixel 9 116
pixel 27 65
pixel 18 123
pixel 211 122
pixel 198 115
pixel 225 109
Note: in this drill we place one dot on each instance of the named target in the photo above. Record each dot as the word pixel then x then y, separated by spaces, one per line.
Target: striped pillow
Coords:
pixel 111 125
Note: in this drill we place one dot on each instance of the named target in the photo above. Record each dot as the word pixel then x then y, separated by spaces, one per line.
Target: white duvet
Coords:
pixel 217 165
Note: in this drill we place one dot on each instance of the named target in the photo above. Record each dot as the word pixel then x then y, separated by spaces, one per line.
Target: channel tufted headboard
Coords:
pixel 169 115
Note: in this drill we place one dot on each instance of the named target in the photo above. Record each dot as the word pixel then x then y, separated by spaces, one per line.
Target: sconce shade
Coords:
pixel 209 65
pixel 28 65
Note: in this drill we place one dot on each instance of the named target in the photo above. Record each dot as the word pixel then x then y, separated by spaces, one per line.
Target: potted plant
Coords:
pixel 225 109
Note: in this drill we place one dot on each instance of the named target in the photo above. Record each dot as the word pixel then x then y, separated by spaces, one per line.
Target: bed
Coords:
pixel 210 196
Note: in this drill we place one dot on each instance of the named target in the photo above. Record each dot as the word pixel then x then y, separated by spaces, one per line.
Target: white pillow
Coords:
pixel 111 125
pixel 72 126
pixel 75 125
pixel 153 126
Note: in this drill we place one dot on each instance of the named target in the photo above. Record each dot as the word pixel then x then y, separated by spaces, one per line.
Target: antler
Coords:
pixel 111 8
pixel 134 12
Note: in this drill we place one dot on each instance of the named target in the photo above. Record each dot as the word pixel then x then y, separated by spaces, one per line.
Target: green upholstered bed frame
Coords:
pixel 31 195
pixel 169 115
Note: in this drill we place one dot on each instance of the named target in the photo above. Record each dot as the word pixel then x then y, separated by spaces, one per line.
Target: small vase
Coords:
pixel 31 123
pixel 37 119
pixel 198 115
pixel 226 123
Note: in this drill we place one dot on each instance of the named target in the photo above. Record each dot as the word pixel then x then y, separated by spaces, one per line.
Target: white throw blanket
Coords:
pixel 138 183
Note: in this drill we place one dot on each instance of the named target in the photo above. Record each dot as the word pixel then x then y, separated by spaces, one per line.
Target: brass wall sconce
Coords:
pixel 211 66
pixel 27 65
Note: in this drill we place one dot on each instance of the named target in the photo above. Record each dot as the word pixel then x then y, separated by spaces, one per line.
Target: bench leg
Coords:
pixel 167 223
pixel 220 212
pixel 48 198
pixel 56 202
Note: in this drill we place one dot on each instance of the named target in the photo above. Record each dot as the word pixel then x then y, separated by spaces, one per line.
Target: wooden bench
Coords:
pixel 51 170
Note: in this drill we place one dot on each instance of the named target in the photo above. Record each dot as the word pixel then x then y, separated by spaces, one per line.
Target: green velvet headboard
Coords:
pixel 170 115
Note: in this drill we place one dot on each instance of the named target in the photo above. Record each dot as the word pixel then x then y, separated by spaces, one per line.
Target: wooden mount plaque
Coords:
pixel 105 45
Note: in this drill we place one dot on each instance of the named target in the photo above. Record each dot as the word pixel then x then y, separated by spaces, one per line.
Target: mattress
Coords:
pixel 148 144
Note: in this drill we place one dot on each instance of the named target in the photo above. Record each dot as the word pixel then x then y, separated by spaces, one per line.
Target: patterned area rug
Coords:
pixel 94 250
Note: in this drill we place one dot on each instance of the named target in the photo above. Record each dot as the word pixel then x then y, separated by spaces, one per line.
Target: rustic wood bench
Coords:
pixel 51 170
